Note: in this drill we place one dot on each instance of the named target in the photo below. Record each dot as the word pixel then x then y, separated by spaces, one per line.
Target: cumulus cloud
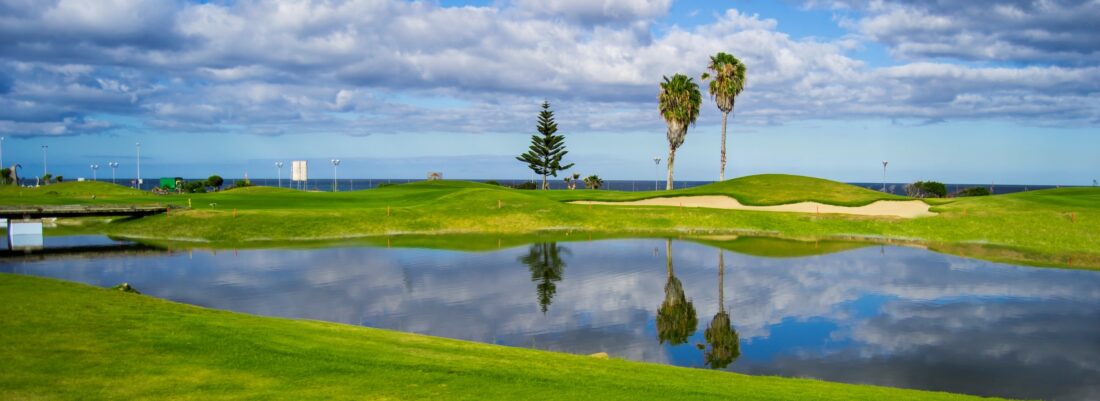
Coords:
pixel 1030 31
pixel 350 67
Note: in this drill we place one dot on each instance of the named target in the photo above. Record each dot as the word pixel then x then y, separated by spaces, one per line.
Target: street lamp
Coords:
pixel 279 166
pixel 114 166
pixel 335 162
pixel 1 152
pixel 94 167
pixel 884 163
pixel 138 145
pixel 656 171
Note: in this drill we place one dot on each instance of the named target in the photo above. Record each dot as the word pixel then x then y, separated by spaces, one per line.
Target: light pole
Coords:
pixel 279 166
pixel 114 166
pixel 45 170
pixel 138 145
pixel 1 152
pixel 884 163
pixel 335 162
pixel 656 171
pixel 94 168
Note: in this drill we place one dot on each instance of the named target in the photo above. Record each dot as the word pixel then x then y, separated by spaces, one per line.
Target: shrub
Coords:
pixel 215 181
pixel 974 191
pixel 194 187
pixel 242 183
pixel 926 189
pixel 492 182
pixel 526 185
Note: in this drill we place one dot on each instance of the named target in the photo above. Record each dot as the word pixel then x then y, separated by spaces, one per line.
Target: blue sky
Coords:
pixel 976 92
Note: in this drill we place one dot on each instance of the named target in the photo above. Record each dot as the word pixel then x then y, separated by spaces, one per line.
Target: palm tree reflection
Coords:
pixel 676 318
pixel 725 346
pixel 546 265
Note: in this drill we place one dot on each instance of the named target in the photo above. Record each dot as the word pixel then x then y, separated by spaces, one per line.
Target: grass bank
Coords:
pixel 1058 227
pixel 71 341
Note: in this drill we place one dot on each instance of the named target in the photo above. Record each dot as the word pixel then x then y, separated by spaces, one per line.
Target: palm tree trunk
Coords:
pixel 668 257
pixel 722 171
pixel 721 278
pixel 671 160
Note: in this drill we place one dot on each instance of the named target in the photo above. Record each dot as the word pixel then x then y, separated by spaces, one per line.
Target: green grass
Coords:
pixel 1059 227
pixel 70 341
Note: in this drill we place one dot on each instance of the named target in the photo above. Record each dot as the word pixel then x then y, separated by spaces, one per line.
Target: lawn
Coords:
pixel 1059 227
pixel 64 340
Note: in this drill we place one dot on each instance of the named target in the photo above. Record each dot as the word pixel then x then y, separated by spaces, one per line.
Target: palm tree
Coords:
pixel 729 79
pixel 593 182
pixel 676 317
pixel 678 102
pixel 725 346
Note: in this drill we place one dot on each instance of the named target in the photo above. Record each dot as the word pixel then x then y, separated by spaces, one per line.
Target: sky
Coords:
pixel 1004 92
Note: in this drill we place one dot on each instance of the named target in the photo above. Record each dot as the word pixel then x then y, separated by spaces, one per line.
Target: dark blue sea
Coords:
pixel 616 185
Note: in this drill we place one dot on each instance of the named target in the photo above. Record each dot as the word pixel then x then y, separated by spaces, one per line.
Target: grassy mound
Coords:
pixel 757 190
pixel 71 341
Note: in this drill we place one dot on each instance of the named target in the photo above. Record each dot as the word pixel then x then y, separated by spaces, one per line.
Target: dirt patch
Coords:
pixel 905 209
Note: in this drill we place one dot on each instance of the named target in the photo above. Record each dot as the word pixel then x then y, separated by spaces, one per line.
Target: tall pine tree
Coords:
pixel 547 149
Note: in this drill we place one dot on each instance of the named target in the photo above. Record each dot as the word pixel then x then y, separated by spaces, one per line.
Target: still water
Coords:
pixel 884 315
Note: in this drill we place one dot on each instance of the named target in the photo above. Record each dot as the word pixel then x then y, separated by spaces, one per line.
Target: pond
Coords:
pixel 856 313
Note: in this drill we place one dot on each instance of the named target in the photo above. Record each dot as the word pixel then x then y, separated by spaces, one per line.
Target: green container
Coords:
pixel 168 183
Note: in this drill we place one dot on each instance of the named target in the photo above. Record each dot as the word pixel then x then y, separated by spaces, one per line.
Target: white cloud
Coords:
pixel 263 64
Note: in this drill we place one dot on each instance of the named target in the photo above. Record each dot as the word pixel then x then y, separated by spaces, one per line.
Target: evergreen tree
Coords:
pixel 547 149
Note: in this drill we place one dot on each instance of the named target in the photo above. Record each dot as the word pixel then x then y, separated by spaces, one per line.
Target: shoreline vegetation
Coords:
pixel 1054 227
pixel 73 341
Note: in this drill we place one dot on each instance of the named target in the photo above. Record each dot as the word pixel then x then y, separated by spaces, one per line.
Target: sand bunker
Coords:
pixel 906 209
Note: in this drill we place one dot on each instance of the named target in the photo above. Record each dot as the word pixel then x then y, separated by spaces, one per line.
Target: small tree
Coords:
pixel 215 181
pixel 547 149
pixel 593 182
pixel 46 178
pixel 58 178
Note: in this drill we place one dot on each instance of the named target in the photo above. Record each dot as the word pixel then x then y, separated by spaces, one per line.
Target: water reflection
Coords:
pixel 676 317
pixel 725 347
pixel 546 266
pixel 904 317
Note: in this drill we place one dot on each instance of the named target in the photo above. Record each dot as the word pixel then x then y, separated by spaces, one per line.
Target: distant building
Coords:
pixel 435 176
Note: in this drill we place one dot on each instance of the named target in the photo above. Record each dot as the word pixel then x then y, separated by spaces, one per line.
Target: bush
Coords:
pixel 527 185
pixel 215 181
pixel 492 182
pixel 974 191
pixel 926 189
pixel 242 183
pixel 385 184
pixel 194 187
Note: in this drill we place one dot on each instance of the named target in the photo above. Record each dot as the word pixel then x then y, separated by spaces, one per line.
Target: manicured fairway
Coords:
pixel 1058 227
pixel 61 340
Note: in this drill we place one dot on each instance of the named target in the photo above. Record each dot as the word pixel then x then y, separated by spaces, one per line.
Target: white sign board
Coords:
pixel 299 170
